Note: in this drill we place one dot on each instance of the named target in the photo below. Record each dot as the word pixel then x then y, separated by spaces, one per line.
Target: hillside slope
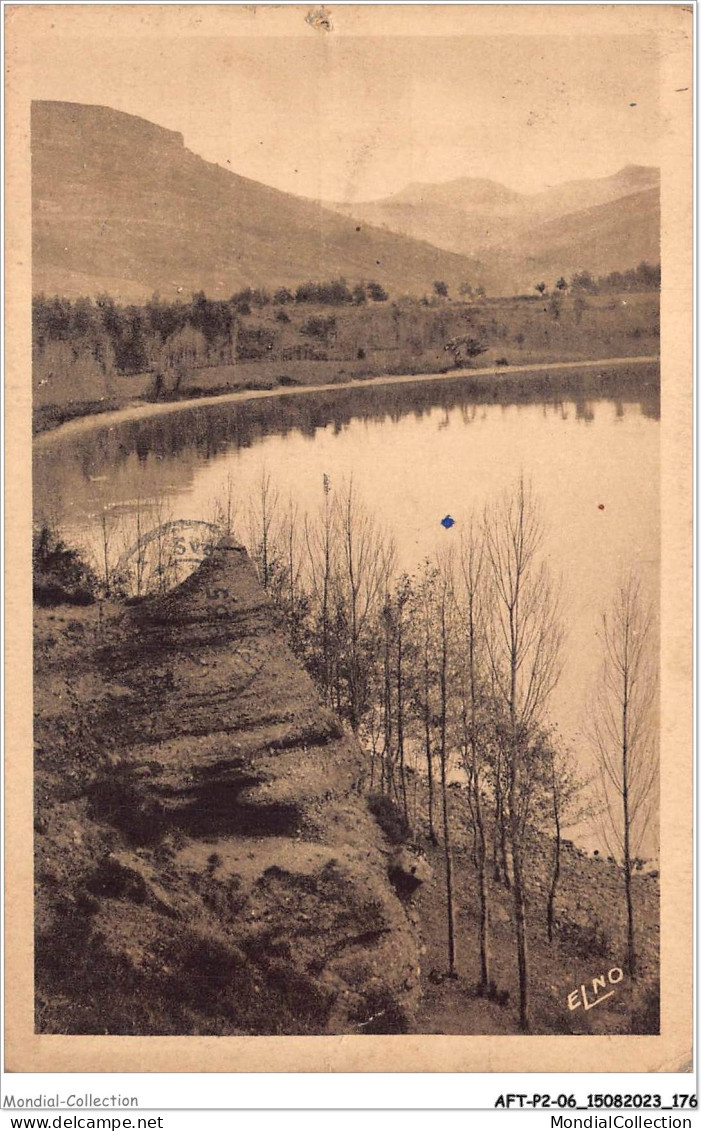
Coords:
pixel 600 225
pixel 120 205
pixel 205 863
pixel 574 196
pixel 601 239
pixel 589 938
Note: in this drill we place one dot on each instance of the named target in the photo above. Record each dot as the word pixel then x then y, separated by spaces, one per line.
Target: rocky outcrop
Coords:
pixel 224 874
pixel 407 870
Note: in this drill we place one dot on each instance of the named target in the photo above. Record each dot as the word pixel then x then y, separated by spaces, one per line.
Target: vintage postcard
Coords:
pixel 348 425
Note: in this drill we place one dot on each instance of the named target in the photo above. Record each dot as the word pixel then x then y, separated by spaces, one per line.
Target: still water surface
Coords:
pixel 416 454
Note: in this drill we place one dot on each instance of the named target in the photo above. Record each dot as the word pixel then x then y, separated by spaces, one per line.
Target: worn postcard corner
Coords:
pixel 348 557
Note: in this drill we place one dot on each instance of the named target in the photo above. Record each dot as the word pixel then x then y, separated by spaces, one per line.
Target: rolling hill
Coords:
pixel 120 205
pixel 602 225
pixel 604 238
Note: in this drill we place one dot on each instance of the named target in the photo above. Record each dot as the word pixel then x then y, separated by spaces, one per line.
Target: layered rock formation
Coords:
pixel 223 874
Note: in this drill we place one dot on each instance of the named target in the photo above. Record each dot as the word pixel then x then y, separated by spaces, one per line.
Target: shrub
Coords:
pixel 61 577
pixel 377 292
pixel 464 348
pixel 645 1017
pixel 335 293
pixel 247 297
pixel 389 817
pixel 318 327
pixel 585 940
pixel 254 344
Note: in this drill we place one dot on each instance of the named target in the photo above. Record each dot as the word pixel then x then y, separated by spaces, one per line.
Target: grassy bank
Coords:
pixel 292 346
pixel 47 417
pixel 635 378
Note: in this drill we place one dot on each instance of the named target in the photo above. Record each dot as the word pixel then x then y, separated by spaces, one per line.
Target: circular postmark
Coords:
pixel 164 556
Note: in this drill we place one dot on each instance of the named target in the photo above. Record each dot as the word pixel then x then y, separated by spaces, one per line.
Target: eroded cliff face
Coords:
pixel 206 862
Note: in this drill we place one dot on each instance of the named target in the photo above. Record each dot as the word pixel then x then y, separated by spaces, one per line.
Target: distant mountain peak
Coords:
pixel 457 182
pixel 460 192
pixel 602 223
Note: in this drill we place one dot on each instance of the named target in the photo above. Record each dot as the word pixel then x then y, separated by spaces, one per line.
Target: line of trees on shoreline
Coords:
pixel 131 337
pixel 134 338
pixel 644 277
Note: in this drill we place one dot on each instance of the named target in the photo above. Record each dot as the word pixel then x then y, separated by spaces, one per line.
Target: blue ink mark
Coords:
pixel 447 522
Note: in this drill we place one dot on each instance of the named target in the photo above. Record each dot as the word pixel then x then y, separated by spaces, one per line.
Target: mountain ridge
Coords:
pixel 625 181
pixel 121 204
pixel 600 225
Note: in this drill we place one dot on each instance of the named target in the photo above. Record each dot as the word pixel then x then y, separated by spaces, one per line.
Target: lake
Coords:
pixel 417 453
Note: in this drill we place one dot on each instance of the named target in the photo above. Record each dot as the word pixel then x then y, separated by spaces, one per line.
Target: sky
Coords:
pixel 358 118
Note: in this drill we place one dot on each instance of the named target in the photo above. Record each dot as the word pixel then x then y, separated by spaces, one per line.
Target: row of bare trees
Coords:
pixel 447 675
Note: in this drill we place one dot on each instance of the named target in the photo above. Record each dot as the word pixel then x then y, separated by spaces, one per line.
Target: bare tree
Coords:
pixel 107 567
pixel 224 508
pixel 445 608
pixel 365 564
pixel 263 525
pixel 402 594
pixel 163 565
pixel 500 863
pixel 472 613
pixel 562 801
pixel 523 642
pixel 424 628
pixel 319 541
pixel 623 730
pixel 387 778
pixel 373 731
pixel 134 553
pixel 292 565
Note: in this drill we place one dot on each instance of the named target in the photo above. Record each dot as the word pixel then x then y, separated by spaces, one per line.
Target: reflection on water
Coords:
pixel 416 453
pixel 67 475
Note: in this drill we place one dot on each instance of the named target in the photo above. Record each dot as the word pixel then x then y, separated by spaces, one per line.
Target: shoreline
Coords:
pixel 144 410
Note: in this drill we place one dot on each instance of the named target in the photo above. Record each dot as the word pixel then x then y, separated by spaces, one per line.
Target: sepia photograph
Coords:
pixel 345 408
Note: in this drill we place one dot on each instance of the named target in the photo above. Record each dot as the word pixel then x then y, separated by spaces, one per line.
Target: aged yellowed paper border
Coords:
pixel 671 1051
